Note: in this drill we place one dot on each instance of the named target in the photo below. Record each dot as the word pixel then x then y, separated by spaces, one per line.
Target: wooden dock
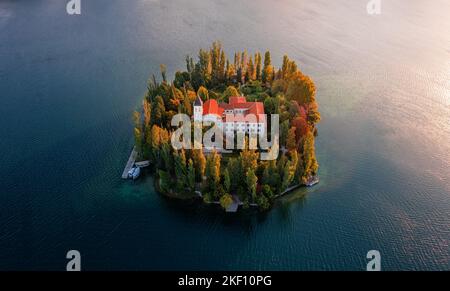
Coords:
pixel 142 164
pixel 130 163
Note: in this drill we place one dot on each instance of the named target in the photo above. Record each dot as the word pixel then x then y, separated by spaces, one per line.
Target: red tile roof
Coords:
pixel 211 107
pixel 236 102
pixel 236 99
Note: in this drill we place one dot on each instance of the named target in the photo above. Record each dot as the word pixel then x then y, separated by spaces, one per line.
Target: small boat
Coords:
pixel 130 172
pixel 312 181
pixel 134 173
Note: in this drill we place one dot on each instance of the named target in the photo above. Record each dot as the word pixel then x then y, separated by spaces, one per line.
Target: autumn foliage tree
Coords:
pixel 285 91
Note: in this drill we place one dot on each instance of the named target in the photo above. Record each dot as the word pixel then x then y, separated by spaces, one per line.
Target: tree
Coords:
pixel 301 127
pixel 217 63
pixel 203 93
pixel 313 113
pixel 187 104
pixel 147 106
pixel 199 163
pixel 291 142
pixel 223 60
pixel 226 180
pixel 163 70
pixel 301 89
pixel 191 175
pixel 180 169
pixel 258 66
pixel 229 92
pixel 248 160
pixel 263 202
pixel 271 175
pixel 267 191
pixel 226 201
pixel 164 181
pixel 288 175
pixel 204 66
pixel 284 132
pixel 181 78
pixel 158 110
pixel 269 105
pixel 212 170
pixel 167 157
pixel 251 70
pixel 267 73
pixel 310 164
pixel 235 172
pixel 251 181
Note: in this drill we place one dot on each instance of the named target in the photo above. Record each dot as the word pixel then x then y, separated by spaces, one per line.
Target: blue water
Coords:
pixel 68 85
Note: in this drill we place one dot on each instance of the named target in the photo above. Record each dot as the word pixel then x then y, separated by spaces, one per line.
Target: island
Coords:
pixel 224 92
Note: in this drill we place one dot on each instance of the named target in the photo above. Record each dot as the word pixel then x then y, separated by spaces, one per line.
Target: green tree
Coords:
pixel 235 172
pixel 258 66
pixel 167 157
pixel 251 181
pixel 267 73
pixel 164 181
pixel 226 180
pixel 288 175
pixel 163 70
pixel 267 191
pixel 229 92
pixel 222 62
pixel 212 170
pixel 271 175
pixel 251 70
pixel 199 163
pixel 203 93
pixel 263 202
pixel 180 169
pixel 205 66
pixel 248 160
pixel 284 132
pixel 226 201
pixel 191 175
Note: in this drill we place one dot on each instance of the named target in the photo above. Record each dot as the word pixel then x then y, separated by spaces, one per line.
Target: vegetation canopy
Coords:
pixel 285 91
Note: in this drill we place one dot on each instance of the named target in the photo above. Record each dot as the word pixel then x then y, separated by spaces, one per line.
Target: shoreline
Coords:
pixel 198 195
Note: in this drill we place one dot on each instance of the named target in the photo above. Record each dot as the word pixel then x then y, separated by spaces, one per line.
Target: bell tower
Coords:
pixel 198 109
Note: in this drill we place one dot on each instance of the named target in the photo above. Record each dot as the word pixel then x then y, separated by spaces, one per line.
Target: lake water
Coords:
pixel 68 85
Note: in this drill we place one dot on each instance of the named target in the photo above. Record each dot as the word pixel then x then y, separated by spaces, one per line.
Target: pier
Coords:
pixel 130 163
pixel 142 164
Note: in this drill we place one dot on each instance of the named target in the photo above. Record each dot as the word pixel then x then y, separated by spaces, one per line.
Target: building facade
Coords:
pixel 237 115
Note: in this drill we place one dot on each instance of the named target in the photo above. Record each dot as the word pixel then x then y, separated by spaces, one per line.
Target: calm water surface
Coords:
pixel 68 85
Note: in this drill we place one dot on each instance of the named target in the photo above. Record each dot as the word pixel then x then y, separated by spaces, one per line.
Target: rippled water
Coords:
pixel 68 85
